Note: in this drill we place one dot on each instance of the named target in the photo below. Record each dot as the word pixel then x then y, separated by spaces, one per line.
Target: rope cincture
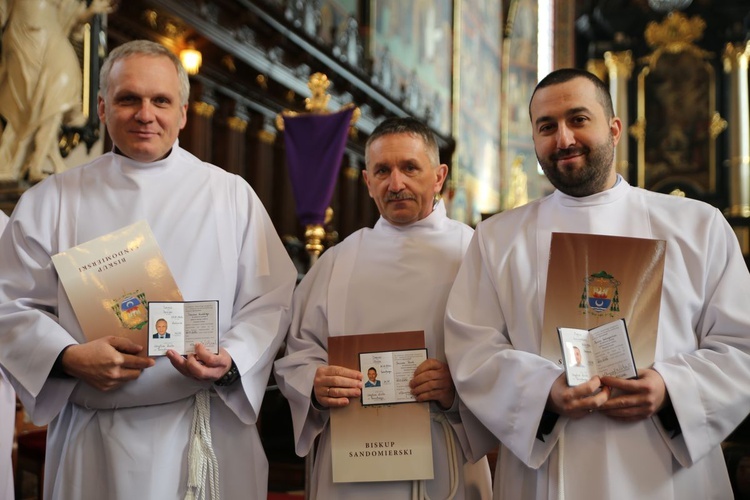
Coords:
pixel 202 463
pixel 419 487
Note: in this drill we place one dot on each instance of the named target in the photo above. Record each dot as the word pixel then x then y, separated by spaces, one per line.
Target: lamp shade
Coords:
pixel 191 60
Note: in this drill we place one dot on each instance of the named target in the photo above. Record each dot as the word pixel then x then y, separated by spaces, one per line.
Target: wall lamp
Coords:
pixel 191 59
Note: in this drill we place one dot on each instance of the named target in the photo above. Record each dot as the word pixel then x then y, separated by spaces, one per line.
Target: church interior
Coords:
pixel 677 71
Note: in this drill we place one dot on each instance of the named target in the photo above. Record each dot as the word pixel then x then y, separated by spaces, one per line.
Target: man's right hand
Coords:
pixel 334 385
pixel 578 401
pixel 105 363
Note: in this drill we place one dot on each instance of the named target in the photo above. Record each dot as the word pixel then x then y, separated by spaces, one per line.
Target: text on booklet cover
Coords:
pixel 372 440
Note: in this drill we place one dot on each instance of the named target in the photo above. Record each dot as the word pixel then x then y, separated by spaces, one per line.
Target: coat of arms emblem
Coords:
pixel 132 310
pixel 600 294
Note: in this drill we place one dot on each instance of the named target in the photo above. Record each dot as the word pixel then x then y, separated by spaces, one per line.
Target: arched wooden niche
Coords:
pixel 677 121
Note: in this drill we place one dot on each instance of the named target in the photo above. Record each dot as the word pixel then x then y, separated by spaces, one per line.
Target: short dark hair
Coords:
pixel 373 369
pixel 566 74
pixel 406 125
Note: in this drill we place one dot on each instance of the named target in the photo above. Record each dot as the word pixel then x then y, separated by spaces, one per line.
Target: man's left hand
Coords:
pixel 203 365
pixel 432 382
pixel 634 400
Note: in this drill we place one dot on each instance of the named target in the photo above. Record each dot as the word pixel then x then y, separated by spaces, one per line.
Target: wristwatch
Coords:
pixel 229 377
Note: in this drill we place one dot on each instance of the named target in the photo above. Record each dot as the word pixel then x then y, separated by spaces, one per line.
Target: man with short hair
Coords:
pixel 656 437
pixel 161 329
pixel 392 278
pixel 372 378
pixel 122 425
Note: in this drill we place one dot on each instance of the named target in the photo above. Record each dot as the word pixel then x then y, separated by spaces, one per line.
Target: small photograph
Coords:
pixel 161 329
pixel 372 377
pixel 166 328
pixel 574 355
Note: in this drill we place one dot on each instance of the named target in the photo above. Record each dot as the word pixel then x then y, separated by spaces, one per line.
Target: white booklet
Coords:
pixel 604 351
pixel 181 325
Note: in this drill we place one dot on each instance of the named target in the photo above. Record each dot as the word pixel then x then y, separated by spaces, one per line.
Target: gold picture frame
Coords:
pixel 677 121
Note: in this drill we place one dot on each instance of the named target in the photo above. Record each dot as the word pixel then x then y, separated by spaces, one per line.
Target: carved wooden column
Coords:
pixel 259 166
pixel 197 137
pixel 620 67
pixel 230 143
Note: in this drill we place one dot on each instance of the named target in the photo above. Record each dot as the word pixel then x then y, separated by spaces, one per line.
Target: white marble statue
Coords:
pixel 40 82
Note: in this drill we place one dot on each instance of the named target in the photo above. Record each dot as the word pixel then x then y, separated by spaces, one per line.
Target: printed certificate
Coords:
pixel 181 325
pixel 604 351
pixel 387 375
pixel 377 441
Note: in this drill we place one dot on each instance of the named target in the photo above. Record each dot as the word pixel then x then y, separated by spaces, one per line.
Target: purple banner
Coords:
pixel 314 148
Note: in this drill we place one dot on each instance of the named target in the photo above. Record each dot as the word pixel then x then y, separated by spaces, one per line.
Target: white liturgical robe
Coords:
pixel 386 279
pixel 219 243
pixel 7 421
pixel 493 336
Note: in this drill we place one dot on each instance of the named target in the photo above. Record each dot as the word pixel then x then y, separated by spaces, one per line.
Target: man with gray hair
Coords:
pixel 394 277
pixel 120 423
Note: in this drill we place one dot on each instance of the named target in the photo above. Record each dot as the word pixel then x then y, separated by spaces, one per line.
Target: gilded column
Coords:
pixel 598 68
pixel 619 68
pixel 738 110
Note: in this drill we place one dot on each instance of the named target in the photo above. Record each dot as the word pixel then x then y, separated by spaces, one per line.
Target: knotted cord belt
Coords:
pixel 202 464
pixel 419 487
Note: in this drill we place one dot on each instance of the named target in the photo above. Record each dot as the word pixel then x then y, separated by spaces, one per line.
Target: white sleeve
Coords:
pixel 505 386
pixel 708 381
pixel 306 350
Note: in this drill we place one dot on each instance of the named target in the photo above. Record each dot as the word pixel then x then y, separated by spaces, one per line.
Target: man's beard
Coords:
pixel 590 179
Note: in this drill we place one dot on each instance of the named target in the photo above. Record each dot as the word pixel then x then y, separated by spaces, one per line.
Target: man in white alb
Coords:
pixel 120 424
pixel 7 420
pixel 656 437
pixel 394 277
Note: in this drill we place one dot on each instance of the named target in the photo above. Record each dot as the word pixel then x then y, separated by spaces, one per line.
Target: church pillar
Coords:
pixel 230 152
pixel 260 162
pixel 620 68
pixel 738 112
pixel 198 131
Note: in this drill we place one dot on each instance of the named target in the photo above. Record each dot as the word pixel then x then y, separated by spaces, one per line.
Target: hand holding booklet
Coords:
pixel 120 284
pixel 386 435
pixel 604 351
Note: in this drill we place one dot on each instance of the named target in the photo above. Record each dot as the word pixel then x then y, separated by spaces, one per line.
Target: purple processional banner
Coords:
pixel 314 148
